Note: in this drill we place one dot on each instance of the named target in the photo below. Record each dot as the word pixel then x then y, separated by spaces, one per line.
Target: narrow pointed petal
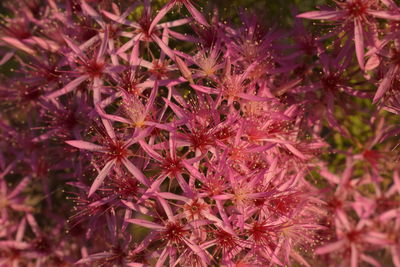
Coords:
pixel 295 151
pixel 136 172
pixel 163 11
pixel 21 230
pixel 376 238
pixel 167 209
pixel 184 37
pixel 109 129
pixel 135 207
pixel 95 257
pixel 193 171
pixel 6 57
pixel 184 185
pixel 85 145
pixel 395 250
pixel 321 15
pixel 91 12
pixel 354 255
pixel 110 117
pixel 18 44
pixel 342 218
pixel 18 189
pixel 385 84
pixel 146 224
pixel 120 20
pixel 205 89
pixel 370 260
pixel 168 195
pixel 253 97
pixel 14 245
pixel 74 47
pixel 43 43
pixel 150 151
pixel 196 14
pixel 33 224
pixel 184 69
pixel 197 250
pixel 359 42
pixel 396 179
pixel 383 14
pixel 101 176
pixel 68 88
pixel 300 259
pixel 175 23
pixel 129 44
pixel 163 257
pixel 103 46
pixel 388 215
pixel 331 247
pixel 164 48
pixel 129 10
pixel 134 58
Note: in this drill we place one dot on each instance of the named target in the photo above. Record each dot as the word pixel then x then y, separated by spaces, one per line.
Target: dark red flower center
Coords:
pixel 174 232
pixel 353 236
pixel 356 8
pixel 117 151
pixel 94 68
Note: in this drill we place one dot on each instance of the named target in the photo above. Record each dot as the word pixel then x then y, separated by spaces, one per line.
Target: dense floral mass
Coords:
pixel 156 133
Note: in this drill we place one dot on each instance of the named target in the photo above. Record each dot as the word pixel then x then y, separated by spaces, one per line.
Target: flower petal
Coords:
pixel 14 245
pixel 85 145
pixel 103 47
pixel 370 260
pixel 146 224
pixel 396 181
pixel 100 177
pixel 18 44
pixel 196 14
pixel 359 41
pixel 68 88
pixel 120 19
pixel 21 186
pixel 74 47
pixel 175 23
pixel 383 14
pixel 164 10
pixel 150 151
pixel 164 48
pixel 295 151
pixel 385 83
pixel 354 255
pixel 330 247
pixel 91 12
pixel 322 15
pixel 197 250
pixel 95 257
pixel 184 69
pixel 205 89
pixel 395 250
pixel 136 172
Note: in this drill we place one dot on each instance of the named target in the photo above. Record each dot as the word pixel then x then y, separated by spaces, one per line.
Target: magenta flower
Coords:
pixel 202 141
pixel 390 77
pixel 91 69
pixel 175 234
pixel 116 152
pixel 357 19
pixel 171 4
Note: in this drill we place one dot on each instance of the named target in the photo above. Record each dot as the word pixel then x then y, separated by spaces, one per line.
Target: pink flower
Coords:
pixel 116 152
pixel 357 19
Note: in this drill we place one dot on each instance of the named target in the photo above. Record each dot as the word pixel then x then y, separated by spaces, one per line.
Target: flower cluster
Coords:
pixel 154 133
